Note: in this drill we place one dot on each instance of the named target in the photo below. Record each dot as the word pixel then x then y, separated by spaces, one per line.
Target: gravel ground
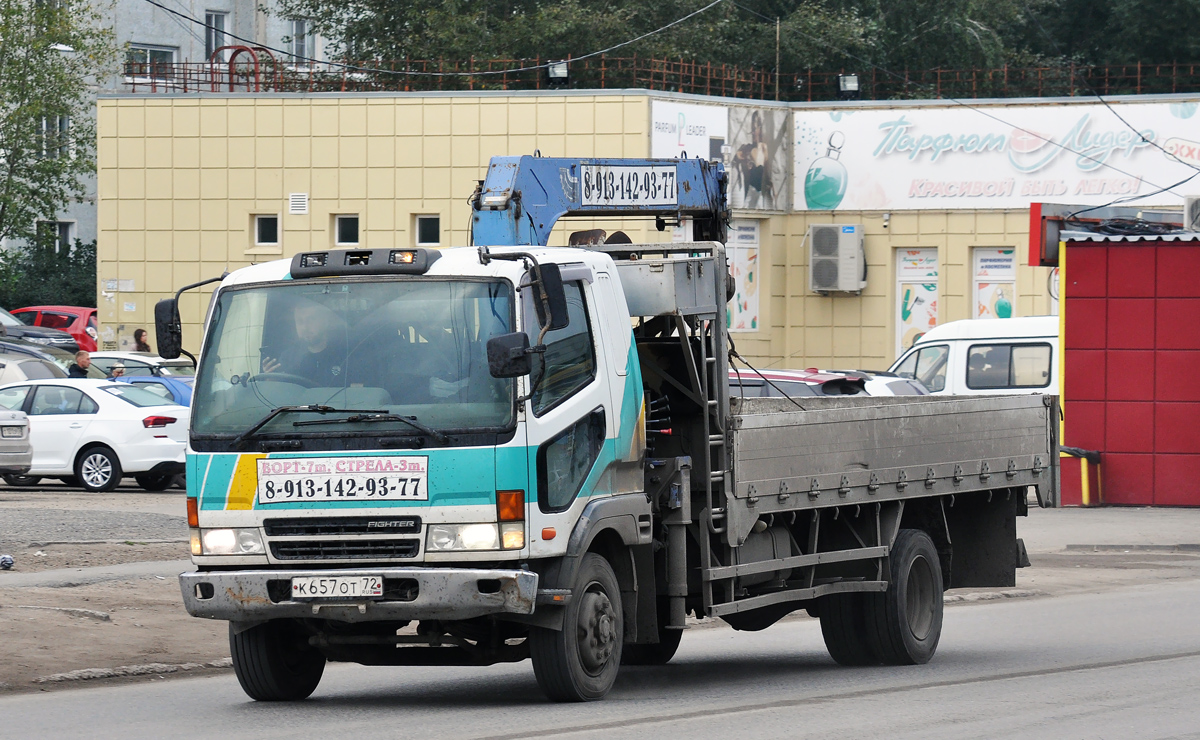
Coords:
pixel 19 527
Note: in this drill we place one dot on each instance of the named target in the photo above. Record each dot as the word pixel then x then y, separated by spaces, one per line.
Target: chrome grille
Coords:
pixel 325 526
pixel 344 549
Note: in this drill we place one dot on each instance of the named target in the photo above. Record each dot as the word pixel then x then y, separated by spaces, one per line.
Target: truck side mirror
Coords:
pixel 508 355
pixel 168 328
pixel 556 297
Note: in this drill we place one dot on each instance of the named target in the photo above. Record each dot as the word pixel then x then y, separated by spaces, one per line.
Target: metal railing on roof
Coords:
pixel 255 70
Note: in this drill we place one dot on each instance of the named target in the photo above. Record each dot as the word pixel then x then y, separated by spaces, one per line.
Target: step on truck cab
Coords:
pixel 482 455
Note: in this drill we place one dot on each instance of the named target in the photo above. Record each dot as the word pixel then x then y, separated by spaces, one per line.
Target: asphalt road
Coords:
pixel 1122 663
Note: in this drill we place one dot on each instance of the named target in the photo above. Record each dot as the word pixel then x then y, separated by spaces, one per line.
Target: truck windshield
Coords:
pixel 404 347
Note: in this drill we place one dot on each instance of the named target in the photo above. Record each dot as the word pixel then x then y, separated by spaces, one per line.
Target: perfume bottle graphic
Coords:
pixel 825 182
pixel 1003 305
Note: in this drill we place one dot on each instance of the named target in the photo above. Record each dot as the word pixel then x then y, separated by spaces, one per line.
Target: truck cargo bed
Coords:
pixel 854 450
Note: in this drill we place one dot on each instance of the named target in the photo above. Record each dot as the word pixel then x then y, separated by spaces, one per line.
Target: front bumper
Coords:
pixel 441 593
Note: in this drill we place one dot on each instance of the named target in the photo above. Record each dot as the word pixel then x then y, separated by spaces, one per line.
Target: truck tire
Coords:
pixel 905 622
pixel 844 627
pixel 659 653
pixel 274 662
pixel 154 482
pixel 580 661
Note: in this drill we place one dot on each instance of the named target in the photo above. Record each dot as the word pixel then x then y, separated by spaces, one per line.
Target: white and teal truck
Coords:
pixel 405 456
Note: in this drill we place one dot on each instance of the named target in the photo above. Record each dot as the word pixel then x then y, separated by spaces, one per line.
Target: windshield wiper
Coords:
pixel 313 408
pixel 370 416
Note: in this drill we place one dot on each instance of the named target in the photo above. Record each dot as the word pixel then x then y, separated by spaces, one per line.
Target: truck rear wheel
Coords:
pixel 580 661
pixel 844 627
pixel 274 662
pixel 904 623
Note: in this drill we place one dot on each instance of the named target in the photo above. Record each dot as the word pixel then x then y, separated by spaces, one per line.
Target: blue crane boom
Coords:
pixel 523 197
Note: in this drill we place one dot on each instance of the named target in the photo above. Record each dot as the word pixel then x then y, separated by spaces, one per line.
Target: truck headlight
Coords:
pixel 446 537
pixel 231 542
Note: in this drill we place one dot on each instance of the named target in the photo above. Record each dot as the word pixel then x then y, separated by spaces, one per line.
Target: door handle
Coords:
pixel 76 425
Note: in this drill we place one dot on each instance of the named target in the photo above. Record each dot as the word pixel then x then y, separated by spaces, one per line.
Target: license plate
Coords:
pixel 285 480
pixel 628 186
pixel 12 431
pixel 337 587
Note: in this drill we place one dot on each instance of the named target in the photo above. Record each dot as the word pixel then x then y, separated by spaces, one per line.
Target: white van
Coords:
pixel 985 357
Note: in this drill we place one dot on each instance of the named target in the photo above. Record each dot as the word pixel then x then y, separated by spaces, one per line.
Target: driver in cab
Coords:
pixel 319 354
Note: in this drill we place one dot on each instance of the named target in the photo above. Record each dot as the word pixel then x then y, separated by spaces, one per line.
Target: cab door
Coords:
pixel 569 416
pixel 58 417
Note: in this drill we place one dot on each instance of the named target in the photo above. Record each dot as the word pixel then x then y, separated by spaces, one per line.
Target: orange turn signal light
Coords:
pixel 510 506
pixel 549 533
pixel 193 510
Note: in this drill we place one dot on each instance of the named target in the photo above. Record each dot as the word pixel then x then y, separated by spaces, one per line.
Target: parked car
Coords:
pixel 16 453
pixel 53 355
pixel 15 328
pixel 143 363
pixel 176 390
pixel 95 431
pixel 77 321
pixel 986 356
pixel 15 368
pixel 814 382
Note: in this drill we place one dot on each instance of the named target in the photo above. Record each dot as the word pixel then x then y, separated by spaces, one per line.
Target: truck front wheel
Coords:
pixel 274 662
pixel 904 623
pixel 580 661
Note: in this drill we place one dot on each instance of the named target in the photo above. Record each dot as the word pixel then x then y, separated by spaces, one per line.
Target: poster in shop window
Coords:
pixel 916 294
pixel 742 253
pixel 995 283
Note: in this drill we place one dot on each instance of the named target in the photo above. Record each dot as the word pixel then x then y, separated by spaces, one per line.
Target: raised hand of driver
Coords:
pixel 270 365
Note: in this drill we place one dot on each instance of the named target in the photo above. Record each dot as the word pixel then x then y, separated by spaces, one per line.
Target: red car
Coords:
pixel 80 323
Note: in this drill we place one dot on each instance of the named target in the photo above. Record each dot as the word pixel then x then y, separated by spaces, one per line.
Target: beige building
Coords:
pixel 194 185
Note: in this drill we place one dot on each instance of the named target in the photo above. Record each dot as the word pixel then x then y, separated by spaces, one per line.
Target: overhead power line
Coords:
pixel 407 73
pixel 957 101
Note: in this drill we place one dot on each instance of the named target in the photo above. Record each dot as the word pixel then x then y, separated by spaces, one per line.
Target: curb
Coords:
pixel 145 669
pixel 1134 548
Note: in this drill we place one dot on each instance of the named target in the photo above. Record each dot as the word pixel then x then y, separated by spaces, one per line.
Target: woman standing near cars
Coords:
pixel 139 341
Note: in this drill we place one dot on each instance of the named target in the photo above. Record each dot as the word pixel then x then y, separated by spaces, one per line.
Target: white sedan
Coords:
pixel 95 431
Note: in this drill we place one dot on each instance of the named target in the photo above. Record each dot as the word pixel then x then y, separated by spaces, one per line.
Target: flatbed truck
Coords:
pixel 485 454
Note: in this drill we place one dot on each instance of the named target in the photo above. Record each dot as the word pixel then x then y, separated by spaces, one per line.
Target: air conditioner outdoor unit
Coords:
pixel 836 260
pixel 1191 213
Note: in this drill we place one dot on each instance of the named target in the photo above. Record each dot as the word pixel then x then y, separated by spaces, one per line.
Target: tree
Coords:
pixel 43 273
pixel 51 53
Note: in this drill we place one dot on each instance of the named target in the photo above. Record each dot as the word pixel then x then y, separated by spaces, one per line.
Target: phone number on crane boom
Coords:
pixel 605 185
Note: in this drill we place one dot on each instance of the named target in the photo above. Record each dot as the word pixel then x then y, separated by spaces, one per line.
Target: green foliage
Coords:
pixel 822 35
pixel 50 53
pixel 39 274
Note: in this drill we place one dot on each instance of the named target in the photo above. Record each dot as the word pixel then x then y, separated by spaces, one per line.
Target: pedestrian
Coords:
pixel 83 361
pixel 139 341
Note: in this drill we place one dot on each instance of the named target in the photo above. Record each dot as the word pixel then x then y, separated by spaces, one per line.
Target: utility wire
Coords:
pixel 963 103
pixel 403 73
pixel 1096 93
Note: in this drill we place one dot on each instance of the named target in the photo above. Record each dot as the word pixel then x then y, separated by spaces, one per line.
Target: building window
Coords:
pixel 214 34
pixel 266 231
pixel 59 233
pixel 346 230
pixel 299 41
pixel 149 61
pixel 55 136
pixel 429 231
